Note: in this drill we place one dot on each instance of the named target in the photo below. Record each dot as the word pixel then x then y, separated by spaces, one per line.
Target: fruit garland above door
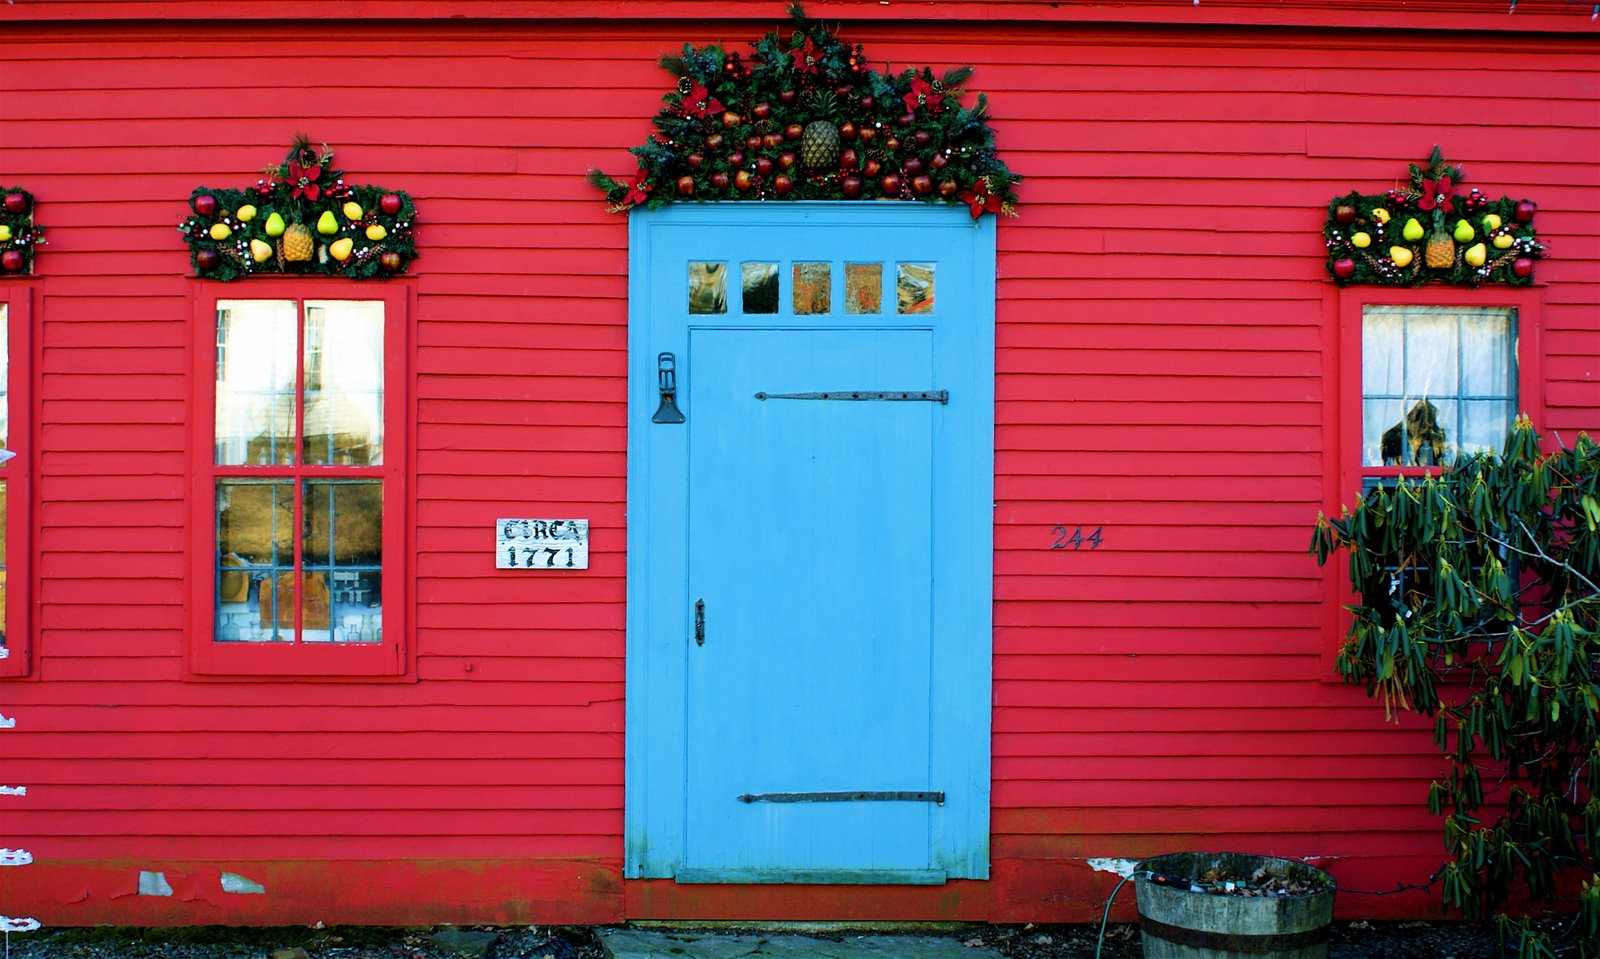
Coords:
pixel 1408 237
pixel 18 235
pixel 805 118
pixel 302 218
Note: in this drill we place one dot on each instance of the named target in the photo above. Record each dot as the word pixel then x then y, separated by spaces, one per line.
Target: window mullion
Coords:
pixel 297 579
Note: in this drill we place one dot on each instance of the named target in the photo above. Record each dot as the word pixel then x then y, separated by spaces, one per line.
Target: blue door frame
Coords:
pixel 704 719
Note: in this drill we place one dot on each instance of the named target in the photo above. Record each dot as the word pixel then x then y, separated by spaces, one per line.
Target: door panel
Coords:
pixel 810 546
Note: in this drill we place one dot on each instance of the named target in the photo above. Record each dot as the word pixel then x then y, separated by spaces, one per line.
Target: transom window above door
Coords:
pixel 810 288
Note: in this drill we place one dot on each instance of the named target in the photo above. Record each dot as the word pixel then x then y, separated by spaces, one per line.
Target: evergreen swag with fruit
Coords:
pixel 1427 232
pixel 302 218
pixel 18 235
pixel 805 118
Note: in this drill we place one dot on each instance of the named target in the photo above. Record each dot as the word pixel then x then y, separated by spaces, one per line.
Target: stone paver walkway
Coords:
pixel 644 944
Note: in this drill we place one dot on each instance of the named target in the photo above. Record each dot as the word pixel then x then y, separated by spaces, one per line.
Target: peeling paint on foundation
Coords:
pixel 153 884
pixel 6 723
pixel 235 883
pixel 1122 867
pixel 13 790
pixel 15 857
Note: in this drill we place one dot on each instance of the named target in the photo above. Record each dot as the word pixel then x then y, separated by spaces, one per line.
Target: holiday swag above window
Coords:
pixel 805 118
pixel 1428 231
pixel 18 235
pixel 302 218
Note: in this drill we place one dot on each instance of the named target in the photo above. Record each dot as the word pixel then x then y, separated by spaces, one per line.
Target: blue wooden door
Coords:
pixel 809 550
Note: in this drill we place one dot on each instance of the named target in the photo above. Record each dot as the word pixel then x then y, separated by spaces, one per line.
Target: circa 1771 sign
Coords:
pixel 541 544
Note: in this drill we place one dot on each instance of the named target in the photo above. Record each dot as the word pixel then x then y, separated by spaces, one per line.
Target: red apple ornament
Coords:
pixel 390 261
pixel 205 204
pixel 1344 269
pixel 12 261
pixel 390 204
pixel 1522 266
pixel 1523 214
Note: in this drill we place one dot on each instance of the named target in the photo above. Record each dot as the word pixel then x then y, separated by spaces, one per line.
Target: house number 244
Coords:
pixel 1075 539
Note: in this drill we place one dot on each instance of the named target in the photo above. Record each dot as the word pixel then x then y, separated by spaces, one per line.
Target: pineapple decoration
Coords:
pixel 804 116
pixel 819 141
pixel 1469 240
pixel 302 217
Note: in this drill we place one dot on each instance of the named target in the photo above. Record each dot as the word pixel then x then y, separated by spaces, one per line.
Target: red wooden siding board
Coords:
pixel 1162 374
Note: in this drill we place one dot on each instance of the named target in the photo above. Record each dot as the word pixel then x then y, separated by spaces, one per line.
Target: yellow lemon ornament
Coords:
pixel 246 213
pixel 376 232
pixel 1400 255
pixel 352 210
pixel 1503 241
pixel 1361 240
pixel 1491 222
pixel 220 231
pixel 1381 215
pixel 5 233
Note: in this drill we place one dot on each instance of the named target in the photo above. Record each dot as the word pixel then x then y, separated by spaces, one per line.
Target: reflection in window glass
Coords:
pixel 255 560
pixel 2 562
pixel 5 377
pixel 761 287
pixel 342 550
pixel 344 383
pixel 863 287
pixel 708 288
pixel 255 382
pixel 812 289
pixel 1436 382
pixel 914 288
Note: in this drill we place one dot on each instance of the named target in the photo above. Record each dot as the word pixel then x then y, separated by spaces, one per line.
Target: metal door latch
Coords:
pixel 667 381
pixel 926 396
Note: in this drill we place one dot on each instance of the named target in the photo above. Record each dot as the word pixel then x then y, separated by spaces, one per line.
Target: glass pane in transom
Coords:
pixel 255 382
pixel 914 288
pixel 813 294
pixel 760 282
pixel 708 288
pixel 343 561
pixel 344 383
pixel 863 288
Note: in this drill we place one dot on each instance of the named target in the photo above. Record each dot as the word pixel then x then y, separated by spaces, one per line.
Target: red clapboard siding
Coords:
pixel 1162 376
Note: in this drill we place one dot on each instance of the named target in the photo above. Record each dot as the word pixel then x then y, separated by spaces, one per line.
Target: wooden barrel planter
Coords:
pixel 1192 905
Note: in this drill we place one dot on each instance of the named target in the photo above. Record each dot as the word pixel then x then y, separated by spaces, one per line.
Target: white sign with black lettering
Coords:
pixel 541 544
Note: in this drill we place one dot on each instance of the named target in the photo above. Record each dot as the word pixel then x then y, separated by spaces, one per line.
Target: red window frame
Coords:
pixel 394 656
pixel 18 474
pixel 1346 474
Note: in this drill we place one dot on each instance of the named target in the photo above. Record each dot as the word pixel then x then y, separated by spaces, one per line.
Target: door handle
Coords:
pixel 699 622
